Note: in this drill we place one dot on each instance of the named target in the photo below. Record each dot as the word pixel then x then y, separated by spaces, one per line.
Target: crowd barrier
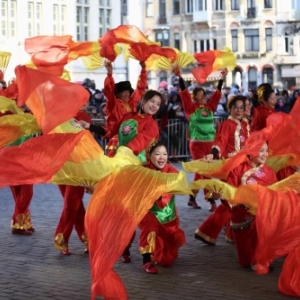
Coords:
pixel 175 136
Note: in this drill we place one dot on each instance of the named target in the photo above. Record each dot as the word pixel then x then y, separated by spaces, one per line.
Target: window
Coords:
pixel 78 14
pixel 13 18
pixel 268 75
pixel 189 7
pixel 218 5
pixel 176 7
pixel 269 39
pixel 162 8
pixel 268 3
pixel 149 8
pixel 104 18
pixel 251 39
pixel 234 40
pixel 201 5
pixel 295 4
pixel 250 3
pixel 162 37
pixel 235 4
pixel 163 76
pixel 252 78
pixel 30 19
pixel 177 40
pixel 288 43
pixel 124 8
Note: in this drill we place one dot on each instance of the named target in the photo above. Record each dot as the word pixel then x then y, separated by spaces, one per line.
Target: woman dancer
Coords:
pixel 161 236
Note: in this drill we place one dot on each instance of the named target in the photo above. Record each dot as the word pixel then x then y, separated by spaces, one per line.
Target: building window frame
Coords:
pixel 176 7
pixel 176 36
pixel 189 6
pixel 251 39
pixel 219 5
pixel 235 4
pixel 269 39
pixel 149 9
pixel 268 4
pixel 234 40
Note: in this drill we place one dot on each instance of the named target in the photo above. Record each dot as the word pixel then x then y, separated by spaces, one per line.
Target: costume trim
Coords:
pixel 23 222
pixel 205 237
pixel 59 242
pixel 151 237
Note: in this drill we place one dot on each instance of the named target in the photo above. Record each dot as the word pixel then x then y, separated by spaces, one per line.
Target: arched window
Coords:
pixel 268 75
pixel 237 76
pixel 252 78
pixel 163 76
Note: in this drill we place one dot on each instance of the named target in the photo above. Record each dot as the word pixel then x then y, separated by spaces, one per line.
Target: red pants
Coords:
pixel 161 240
pixel 22 194
pixel 245 238
pixel 212 226
pixel 198 150
pixel 72 215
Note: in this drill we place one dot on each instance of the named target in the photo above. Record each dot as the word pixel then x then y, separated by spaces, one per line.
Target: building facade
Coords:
pixel 264 35
pixel 84 20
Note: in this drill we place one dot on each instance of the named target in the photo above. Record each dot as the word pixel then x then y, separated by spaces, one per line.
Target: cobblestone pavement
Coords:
pixel 31 269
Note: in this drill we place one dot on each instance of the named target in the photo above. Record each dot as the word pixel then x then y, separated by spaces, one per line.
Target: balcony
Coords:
pixel 251 12
pixel 288 59
pixel 203 14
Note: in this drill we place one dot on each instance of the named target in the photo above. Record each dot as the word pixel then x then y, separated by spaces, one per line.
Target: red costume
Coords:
pixel 230 138
pixel 242 222
pixel 286 172
pixel 201 124
pixel 117 108
pixel 160 232
pixel 259 117
pixel 73 212
pixel 21 219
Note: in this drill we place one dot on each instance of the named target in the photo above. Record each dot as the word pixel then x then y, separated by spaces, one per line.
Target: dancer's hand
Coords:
pixel 108 67
pixel 143 65
pixel 84 124
pixel 176 70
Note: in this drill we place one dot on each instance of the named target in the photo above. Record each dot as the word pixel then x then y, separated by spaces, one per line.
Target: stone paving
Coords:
pixel 31 269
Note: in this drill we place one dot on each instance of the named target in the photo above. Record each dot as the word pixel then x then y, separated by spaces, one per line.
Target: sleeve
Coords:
pixel 234 177
pixel 171 169
pixel 109 92
pixel 98 129
pixel 221 138
pixel 139 91
pixel 141 141
pixel 187 103
pixel 181 84
pixel 214 100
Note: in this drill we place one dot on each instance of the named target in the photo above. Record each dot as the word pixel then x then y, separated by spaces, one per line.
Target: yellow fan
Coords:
pixel 93 61
pixel 4 60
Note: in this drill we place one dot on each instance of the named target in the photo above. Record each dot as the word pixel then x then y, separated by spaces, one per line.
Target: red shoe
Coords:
pixel 32 229
pixel 126 258
pixel 194 204
pixel 150 268
pixel 65 252
pixel 86 250
pixel 213 207
pixel 21 231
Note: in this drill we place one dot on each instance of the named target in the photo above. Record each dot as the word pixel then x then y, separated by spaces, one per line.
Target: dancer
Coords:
pixel 253 171
pixel 161 236
pixel 230 138
pixel 73 212
pixel 200 114
pixel 266 98
pixel 121 99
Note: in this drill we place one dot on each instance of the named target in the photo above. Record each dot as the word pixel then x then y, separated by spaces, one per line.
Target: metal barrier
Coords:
pixel 175 136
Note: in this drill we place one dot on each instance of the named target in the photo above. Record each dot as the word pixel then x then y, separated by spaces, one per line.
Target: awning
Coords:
pixel 214 76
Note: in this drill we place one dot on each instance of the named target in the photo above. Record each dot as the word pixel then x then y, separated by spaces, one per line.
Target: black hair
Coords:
pixel 198 89
pixel 232 101
pixel 156 145
pixel 263 92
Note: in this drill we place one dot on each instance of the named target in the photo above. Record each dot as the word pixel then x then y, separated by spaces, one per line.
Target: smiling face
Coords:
pixel 271 101
pixel 237 110
pixel 152 105
pixel 159 157
pixel 262 155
